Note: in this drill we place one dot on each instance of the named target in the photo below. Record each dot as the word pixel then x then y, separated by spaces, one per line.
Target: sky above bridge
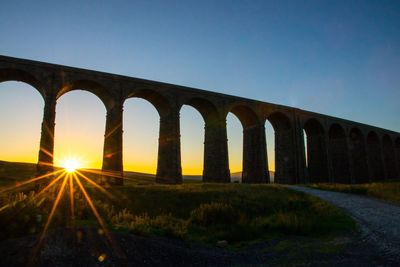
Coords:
pixel 340 58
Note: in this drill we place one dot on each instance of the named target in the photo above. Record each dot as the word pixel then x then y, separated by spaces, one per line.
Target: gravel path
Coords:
pixel 379 221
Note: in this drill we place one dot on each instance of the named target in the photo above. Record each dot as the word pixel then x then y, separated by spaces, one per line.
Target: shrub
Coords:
pixel 287 222
pixel 164 224
pixel 21 215
pixel 214 213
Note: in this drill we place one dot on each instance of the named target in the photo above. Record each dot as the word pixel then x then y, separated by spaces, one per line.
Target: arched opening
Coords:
pixel 389 157
pixel 141 123
pixel 254 168
pixel 358 156
pixel 235 147
pixel 215 163
pixel 168 167
pixel 270 143
pixel 316 152
pixel 89 86
pixel 80 128
pixel 21 114
pixel 284 149
pixel 7 75
pixel 339 154
pixel 192 143
pixel 375 157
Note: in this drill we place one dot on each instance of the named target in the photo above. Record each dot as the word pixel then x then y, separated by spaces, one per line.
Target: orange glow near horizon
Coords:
pixel 141 169
pixel 80 124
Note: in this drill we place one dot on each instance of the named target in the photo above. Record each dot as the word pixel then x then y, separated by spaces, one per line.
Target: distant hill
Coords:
pixel 192 177
pixel 16 170
pixel 13 171
pixel 237 176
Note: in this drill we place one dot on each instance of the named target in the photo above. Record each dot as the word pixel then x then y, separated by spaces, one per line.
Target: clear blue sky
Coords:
pixel 340 58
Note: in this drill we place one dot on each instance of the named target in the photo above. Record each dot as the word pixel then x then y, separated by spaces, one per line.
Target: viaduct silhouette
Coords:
pixel 338 150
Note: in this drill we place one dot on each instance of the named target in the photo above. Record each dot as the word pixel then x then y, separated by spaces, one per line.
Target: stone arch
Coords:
pixel 358 156
pixel 285 165
pixel 22 76
pixel 234 130
pixel 375 157
pixel 91 86
pixel 206 108
pixel 141 131
pixel 169 169
pixel 254 161
pixel 191 132
pixel 216 163
pixel 389 157
pixel 317 162
pixel 279 121
pixel 246 115
pixel 88 125
pixel 159 101
pixel 21 116
pixel 338 150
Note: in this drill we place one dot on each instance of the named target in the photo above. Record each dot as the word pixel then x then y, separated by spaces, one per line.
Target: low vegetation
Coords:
pixel 199 212
pixel 11 172
pixel 204 213
pixel 388 191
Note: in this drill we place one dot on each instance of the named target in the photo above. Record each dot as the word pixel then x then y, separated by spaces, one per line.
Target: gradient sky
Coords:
pixel 340 58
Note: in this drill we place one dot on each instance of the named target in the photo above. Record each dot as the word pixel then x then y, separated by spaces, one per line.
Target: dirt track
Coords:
pixel 379 220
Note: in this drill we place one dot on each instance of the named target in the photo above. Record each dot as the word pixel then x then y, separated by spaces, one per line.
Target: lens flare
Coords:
pixel 71 164
pixel 69 179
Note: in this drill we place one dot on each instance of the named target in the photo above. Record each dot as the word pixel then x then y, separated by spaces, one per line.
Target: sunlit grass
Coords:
pixel 50 192
pixel 193 211
pixel 389 191
pixel 211 212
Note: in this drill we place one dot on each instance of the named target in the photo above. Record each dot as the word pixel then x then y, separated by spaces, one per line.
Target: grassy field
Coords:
pixel 197 212
pixel 205 213
pixel 11 172
pixel 389 191
pixel 233 212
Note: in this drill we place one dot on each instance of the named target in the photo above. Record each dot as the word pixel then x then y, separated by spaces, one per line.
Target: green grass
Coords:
pixel 197 212
pixel 389 191
pixel 11 172
pixel 203 213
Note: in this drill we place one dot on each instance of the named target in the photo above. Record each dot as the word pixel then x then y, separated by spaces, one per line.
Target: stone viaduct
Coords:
pixel 338 150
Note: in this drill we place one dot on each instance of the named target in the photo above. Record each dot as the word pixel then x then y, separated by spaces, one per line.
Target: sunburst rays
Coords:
pixel 73 181
pixel 68 182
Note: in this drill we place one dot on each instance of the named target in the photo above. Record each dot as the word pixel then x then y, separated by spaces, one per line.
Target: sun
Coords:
pixel 71 164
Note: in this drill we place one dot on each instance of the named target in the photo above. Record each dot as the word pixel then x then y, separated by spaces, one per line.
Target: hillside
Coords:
pixel 14 171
